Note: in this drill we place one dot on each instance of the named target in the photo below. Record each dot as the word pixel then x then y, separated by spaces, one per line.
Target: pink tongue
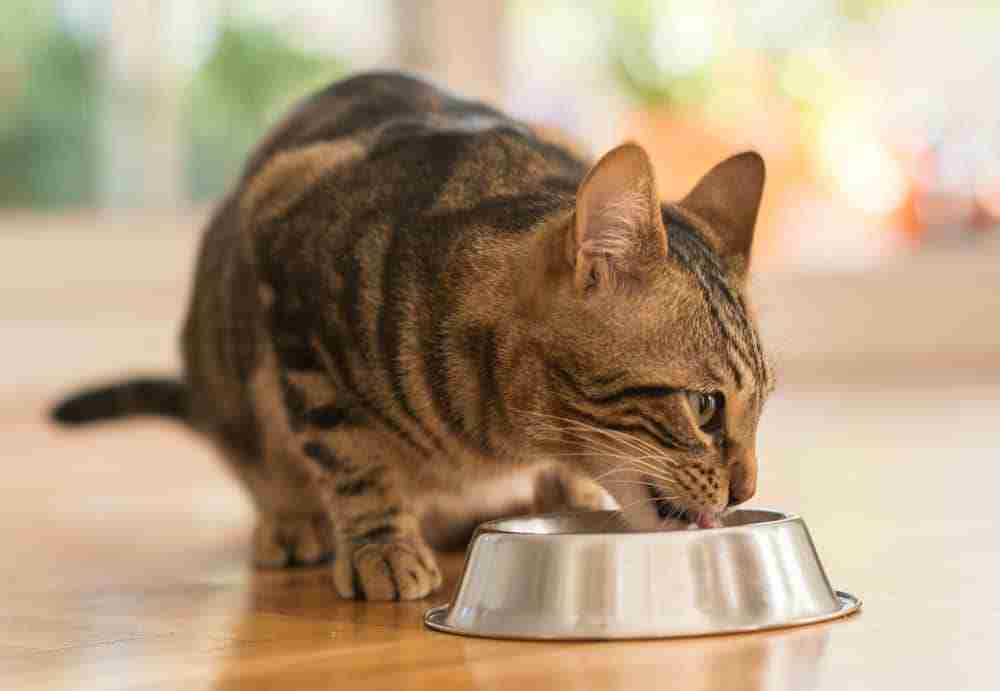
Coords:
pixel 706 520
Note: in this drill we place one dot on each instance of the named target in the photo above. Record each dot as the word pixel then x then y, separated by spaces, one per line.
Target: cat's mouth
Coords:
pixel 670 512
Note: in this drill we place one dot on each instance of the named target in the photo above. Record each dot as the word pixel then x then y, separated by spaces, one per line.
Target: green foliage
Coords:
pixel 633 62
pixel 866 10
pixel 249 80
pixel 636 69
pixel 48 127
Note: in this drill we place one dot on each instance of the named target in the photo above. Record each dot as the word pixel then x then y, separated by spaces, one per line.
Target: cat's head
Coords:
pixel 655 375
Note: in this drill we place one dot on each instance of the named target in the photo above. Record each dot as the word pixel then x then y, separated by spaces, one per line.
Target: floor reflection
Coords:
pixel 788 659
pixel 295 634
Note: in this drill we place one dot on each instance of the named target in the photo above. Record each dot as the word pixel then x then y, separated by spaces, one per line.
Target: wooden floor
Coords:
pixel 123 549
pixel 125 567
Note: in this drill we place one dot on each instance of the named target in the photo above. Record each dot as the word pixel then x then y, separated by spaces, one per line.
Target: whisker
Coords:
pixel 629 440
pixel 642 484
pixel 626 452
pixel 628 465
pixel 629 462
pixel 604 446
pixel 603 455
pixel 619 469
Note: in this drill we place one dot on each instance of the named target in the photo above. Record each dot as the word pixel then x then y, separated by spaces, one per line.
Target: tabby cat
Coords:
pixel 413 305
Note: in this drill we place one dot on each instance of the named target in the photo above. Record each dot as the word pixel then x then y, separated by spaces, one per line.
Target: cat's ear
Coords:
pixel 727 200
pixel 618 229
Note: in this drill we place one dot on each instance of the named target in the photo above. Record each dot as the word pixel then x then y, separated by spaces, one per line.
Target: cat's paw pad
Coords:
pixel 402 569
pixel 290 540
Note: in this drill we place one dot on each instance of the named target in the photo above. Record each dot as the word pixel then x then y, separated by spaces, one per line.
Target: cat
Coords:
pixel 411 299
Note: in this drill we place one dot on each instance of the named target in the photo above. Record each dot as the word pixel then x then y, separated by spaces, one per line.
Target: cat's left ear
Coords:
pixel 727 199
pixel 618 231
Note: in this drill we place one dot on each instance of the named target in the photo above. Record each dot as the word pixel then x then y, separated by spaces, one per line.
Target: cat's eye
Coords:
pixel 707 409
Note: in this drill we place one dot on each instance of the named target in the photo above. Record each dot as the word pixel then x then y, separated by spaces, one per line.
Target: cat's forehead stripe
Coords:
pixel 725 305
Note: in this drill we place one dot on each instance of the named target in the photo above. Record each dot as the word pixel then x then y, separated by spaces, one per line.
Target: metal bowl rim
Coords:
pixel 849 604
pixel 494 527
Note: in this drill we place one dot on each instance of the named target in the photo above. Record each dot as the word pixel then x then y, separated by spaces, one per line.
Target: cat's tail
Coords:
pixel 139 396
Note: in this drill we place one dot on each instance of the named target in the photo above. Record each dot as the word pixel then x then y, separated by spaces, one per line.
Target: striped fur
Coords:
pixel 388 311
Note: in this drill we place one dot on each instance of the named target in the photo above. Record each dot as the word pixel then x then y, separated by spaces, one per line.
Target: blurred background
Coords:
pixel 876 279
pixel 876 251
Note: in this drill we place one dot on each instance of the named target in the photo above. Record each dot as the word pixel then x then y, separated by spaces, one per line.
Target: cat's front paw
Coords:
pixel 402 568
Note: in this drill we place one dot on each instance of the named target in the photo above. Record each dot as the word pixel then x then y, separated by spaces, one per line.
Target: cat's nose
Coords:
pixel 742 475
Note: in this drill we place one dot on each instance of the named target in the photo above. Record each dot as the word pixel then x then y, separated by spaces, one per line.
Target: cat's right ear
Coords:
pixel 618 229
pixel 728 200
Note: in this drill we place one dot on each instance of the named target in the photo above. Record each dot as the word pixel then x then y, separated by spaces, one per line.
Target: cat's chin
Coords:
pixel 654 512
pixel 655 523
pixel 688 518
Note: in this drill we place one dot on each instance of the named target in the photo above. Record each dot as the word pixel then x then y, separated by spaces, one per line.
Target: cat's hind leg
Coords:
pixel 294 527
pixel 346 465
pixel 292 539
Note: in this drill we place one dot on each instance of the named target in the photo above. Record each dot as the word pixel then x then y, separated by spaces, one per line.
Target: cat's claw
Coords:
pixel 403 569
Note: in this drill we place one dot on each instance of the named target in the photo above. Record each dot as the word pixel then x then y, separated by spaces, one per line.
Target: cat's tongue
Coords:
pixel 707 520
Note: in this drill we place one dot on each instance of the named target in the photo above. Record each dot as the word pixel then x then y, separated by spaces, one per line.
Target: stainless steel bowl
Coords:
pixel 564 576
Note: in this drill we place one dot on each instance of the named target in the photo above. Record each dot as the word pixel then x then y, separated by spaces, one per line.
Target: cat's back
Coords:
pixel 368 104
pixel 364 198
pixel 400 140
